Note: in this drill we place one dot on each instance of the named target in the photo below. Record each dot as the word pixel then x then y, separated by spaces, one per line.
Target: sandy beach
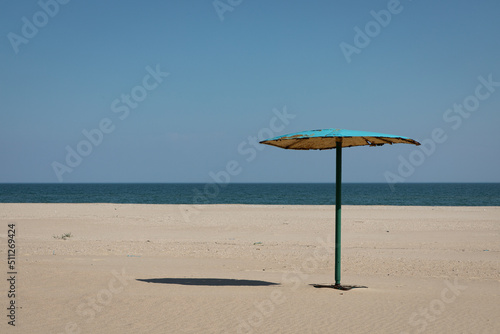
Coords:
pixel 249 269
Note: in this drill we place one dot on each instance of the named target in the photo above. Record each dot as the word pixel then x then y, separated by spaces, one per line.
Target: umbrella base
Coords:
pixel 339 286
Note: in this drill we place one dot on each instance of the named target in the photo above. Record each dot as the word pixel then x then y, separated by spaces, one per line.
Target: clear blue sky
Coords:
pixel 85 65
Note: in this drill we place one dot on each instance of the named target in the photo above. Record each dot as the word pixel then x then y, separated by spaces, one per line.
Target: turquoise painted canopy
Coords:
pixel 327 139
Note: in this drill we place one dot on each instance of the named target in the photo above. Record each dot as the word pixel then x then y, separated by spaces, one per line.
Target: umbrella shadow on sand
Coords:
pixel 208 281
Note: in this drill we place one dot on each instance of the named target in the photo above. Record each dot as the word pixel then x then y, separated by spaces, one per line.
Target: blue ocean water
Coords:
pixel 414 194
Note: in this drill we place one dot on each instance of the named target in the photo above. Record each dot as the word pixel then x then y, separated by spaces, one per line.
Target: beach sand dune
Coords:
pixel 130 268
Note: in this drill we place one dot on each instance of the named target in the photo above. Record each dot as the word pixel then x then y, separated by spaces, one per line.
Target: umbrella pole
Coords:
pixel 338 209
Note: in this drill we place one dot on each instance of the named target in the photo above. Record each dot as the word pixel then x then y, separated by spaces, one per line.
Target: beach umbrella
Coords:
pixel 335 139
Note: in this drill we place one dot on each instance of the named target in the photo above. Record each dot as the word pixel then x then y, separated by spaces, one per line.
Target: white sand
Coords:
pixel 428 269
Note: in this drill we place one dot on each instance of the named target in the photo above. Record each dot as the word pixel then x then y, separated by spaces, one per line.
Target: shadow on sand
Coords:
pixel 207 281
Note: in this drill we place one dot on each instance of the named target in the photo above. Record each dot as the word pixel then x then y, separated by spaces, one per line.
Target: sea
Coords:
pixel 407 194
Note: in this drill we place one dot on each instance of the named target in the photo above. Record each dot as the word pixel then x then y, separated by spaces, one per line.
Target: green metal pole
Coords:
pixel 338 209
